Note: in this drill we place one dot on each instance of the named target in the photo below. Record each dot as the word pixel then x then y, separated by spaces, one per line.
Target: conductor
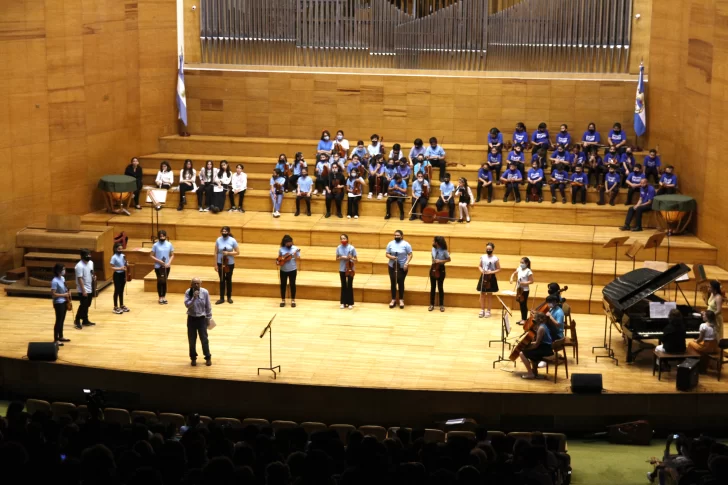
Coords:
pixel 199 313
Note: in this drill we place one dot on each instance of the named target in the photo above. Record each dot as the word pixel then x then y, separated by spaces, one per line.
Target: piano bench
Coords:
pixel 659 357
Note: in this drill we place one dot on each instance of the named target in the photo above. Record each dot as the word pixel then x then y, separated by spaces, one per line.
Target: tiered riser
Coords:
pixel 496 211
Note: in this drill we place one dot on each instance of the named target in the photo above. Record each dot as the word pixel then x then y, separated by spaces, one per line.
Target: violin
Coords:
pixel 425 191
pixel 278 188
pixel 287 170
pixel 357 187
pixel 324 171
pixel 542 308
pixel 436 269
pixel 225 265
pixel 283 259
pixel 128 270
pixel 338 148
pixel 336 186
pixel 350 267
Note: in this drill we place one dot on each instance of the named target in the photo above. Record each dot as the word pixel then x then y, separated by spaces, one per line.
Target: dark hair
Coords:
pixel 553 288
pixel 285 158
pixel 162 232
pixel 133 158
pixel 440 241
pixel 340 131
pixel 84 252
pixel 345 235
pixel 552 299
pixel 494 131
pixel 433 140
pixel 118 245
pixel 187 171
pixel 396 147
pixel 324 133
pixel 57 268
pixel 715 287
pixel 565 125
pixel 710 316
pixel 520 125
pixel 400 232
pixel 240 165
pixel 670 167
pixel 675 316
pixel 374 136
pixel 165 163
pixel 286 239
pixel 465 181
pixel 209 162
pixel 227 168
pixel 528 261
pixel 447 175
pixel 277 171
pixel 590 124
pixel 418 142
pixel 542 125
pixel 225 228
pixel 491 245
pixel 652 150
pixel 360 142
pixel 397 177
pixel 637 165
pixel 617 125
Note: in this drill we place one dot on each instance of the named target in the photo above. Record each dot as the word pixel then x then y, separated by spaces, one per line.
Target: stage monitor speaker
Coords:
pixel 687 375
pixel 46 351
pixel 586 383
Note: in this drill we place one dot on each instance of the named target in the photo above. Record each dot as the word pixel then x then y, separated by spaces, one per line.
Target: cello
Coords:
pixel 542 308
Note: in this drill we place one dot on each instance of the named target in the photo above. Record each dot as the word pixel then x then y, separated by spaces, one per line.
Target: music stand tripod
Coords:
pixel 505 330
pixel 269 328
pixel 156 198
pixel 616 243
pixel 608 320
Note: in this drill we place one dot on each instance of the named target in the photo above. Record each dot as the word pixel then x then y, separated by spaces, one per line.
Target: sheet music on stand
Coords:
pixel 660 309
pixel 507 321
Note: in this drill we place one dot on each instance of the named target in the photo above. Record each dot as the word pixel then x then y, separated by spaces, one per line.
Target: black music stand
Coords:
pixel 156 198
pixel 505 330
pixel 655 241
pixel 633 251
pixel 608 321
pixel 616 243
pixel 700 278
pixel 269 328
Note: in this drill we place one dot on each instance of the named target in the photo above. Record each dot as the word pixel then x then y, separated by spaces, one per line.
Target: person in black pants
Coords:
pixel 119 265
pixel 199 314
pixel 85 284
pixel 524 279
pixel 345 252
pixel 399 254
pixel 288 254
pixel 61 295
pixel 225 247
pixel 334 189
pixel 396 193
pixel 163 254
pixel 440 256
pixel 134 170
pixel 647 195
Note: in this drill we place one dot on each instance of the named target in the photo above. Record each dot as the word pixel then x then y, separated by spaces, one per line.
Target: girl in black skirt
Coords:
pixel 487 282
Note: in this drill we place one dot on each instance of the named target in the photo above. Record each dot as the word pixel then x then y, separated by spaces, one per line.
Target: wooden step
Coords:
pixel 531 239
pixel 272 147
pixel 373 288
pixel 373 261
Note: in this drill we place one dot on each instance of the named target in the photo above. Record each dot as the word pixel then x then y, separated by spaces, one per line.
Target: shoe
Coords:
pixel 505 199
pixel 348 216
pixel 636 229
pixel 137 207
pixel 553 200
pixel 77 326
pixel 242 210
pixel 117 310
pixel 219 302
pixel 611 202
pixel 518 200
pixel 64 339
pixel 201 209
pixel 164 301
pixel 293 304
pixel 624 228
pixel 230 300
pixel 490 200
pixel 193 363
pixel 600 203
pixel 342 306
pixel 339 216
pixel 401 217
pixel 387 216
pixel 369 196
pixel 179 207
pixel 296 214
pixel 460 221
pixel 88 324
pixel 327 215
pixel 528 200
pixel 207 209
pixel 412 218
pixel 430 308
pixel 487 314
pixel 308 213
pixel 391 304
pixel 650 477
pixel 283 303
pixel 351 307
pixel 481 314
pixel 583 203
pixel 355 217
pixel 540 199
pixel 379 197
pixel 125 309
pixel 542 364
pixel 232 209
pixel 573 202
pixel 58 343
pixel 315 192
pixel 477 200
pixel 467 220
pixel 563 200
pixel 442 308
pixel 401 304
pixel 208 362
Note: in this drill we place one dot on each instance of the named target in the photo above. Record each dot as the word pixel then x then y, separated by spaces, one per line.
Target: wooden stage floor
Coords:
pixel 319 344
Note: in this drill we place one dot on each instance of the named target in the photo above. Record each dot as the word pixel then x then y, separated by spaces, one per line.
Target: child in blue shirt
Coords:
pixel 668 182
pixel 627 163
pixel 397 192
pixel 495 162
pixel 591 136
pixel 520 136
pixel 579 181
pixel 633 180
pixel 512 178
pixel 611 185
pixel 652 166
pixel 647 195
pixel 563 137
pixel 559 177
pixel 617 138
pixel 596 167
pixel 541 138
pixel 535 182
pixel 517 157
pixel 485 179
pixel 563 157
pixel 495 139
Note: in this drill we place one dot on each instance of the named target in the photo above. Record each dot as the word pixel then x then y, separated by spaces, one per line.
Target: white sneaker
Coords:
pixel 369 196
pixel 232 209
pixel 379 196
pixel 315 192
pixel 341 306
pixel 542 364
pixel 207 209
pixel 356 217
pixel 348 217
pixel 487 314
pixel 351 307
pixel 202 210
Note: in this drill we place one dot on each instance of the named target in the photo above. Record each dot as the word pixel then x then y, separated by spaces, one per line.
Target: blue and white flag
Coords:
pixel 181 95
pixel 640 108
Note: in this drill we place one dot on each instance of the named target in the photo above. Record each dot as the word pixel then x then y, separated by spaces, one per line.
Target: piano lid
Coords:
pixel 633 287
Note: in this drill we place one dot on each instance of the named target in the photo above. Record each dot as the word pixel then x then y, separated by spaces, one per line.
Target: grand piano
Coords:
pixel 627 303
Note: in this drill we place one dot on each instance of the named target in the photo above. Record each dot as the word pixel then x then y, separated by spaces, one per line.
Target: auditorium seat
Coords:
pixel 436 435
pixel 343 430
pixel 233 422
pixel 276 425
pixel 149 416
pixel 118 416
pixel 392 431
pixel 255 422
pixel 62 408
pixel 205 420
pixel 313 427
pixel 460 434
pixel 495 434
pixel 562 440
pixel 171 418
pixel 377 431
pixel 83 413
pixel 37 405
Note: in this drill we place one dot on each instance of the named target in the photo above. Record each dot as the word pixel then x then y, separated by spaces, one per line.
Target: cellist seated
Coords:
pixel 540 347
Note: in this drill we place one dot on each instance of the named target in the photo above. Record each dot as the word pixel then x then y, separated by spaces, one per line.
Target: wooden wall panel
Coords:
pixel 456 110
pixel 688 105
pixel 71 100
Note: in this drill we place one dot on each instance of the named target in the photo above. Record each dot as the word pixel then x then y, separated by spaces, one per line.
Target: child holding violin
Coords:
pixel 346 256
pixel 277 183
pixel 288 254
pixel 440 256
pixel 420 195
pixel 524 280
pixel 354 189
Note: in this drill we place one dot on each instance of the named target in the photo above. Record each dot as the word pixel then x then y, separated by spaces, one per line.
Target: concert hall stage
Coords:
pixel 370 365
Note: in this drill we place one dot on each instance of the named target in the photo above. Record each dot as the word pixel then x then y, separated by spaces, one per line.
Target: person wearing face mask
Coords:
pixel 652 165
pixel 354 189
pixel 561 156
pixel 388 172
pixel 535 182
pixel 540 157
pixel 204 191
pixel 404 170
pixel 225 247
pixel 61 295
pixel 633 180
pixel 420 196
pixel 578 182
pixel 325 144
pixel 495 139
pixel 512 179
pixel 495 162
pixel 617 138
pixel 277 183
pixel 303 192
pixel 647 195
pixel 355 164
pixel 162 254
pixel 120 266
pixel 284 167
pixel 612 181
pixel 668 182
pixel 334 188
pixel 440 256
pixel 524 280
pixel 485 179
pixel 465 200
pixel 517 157
pixel 626 164
pixel 541 138
pixel 375 148
pixel 595 164
pixel 340 141
pixel 489 266
pixel 222 183
pixel 359 150
pixel 436 155
pixel 520 136
pixel 542 346
pixel 424 166
pixel 239 187
pixel 417 150
pixel 199 314
pixel 299 164
pixel 134 170
pixel 396 152
pixel 375 168
pixel 85 282
pixel 396 193
pixel 555 317
pixel 612 159
pixel 591 136
pixel 559 177
pixel 399 254
pixel 288 254
pixel 346 252
pixel 321 172
pixel 447 193
pixel 563 137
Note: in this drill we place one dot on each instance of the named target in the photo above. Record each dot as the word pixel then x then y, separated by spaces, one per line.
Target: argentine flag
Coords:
pixel 640 108
pixel 181 95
